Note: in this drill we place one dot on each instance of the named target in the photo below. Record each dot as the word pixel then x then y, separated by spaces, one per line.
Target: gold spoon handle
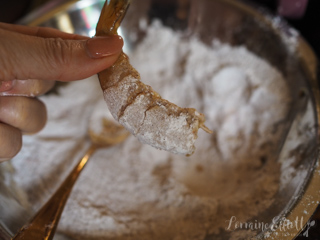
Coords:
pixel 43 225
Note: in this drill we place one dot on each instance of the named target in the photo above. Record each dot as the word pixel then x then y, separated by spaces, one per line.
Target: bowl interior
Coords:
pixel 229 22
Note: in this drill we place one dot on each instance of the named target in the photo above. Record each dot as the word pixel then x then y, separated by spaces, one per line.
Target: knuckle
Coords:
pixel 59 54
pixel 5 73
pixel 6 65
pixel 26 114
pixel 17 111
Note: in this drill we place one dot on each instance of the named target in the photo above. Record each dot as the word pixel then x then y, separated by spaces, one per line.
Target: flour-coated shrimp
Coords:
pixel 141 110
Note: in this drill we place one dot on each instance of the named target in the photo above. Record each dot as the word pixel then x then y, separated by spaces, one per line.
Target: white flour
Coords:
pixel 132 191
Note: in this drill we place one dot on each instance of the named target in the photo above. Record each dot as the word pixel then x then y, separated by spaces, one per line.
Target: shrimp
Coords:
pixel 136 106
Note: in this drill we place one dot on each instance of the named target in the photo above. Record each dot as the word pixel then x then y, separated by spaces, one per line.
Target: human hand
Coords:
pixel 31 59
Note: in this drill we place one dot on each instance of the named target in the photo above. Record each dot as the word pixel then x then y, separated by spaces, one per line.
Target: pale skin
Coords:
pixel 31 60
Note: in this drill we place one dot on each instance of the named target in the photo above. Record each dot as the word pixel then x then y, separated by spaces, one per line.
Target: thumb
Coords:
pixel 29 57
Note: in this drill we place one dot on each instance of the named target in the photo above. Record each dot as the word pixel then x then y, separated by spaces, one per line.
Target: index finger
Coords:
pixel 44 32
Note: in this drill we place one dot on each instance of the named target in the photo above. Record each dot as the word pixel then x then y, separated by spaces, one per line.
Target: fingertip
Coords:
pixel 43 118
pixel 10 141
pixel 34 118
pixel 108 61
pixel 88 68
pixel 99 47
pixel 29 115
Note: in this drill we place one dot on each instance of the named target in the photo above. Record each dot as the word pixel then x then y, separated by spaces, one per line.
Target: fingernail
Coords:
pixel 98 47
pixel 6 85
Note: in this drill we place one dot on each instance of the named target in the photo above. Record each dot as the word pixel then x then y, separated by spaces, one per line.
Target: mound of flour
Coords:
pixel 133 191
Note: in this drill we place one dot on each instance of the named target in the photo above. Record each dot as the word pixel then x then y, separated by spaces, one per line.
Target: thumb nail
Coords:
pixel 98 47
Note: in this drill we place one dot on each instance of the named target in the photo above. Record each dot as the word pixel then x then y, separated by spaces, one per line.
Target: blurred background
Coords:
pixel 307 22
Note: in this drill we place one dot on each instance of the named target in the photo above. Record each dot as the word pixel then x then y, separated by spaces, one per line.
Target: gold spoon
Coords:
pixel 43 225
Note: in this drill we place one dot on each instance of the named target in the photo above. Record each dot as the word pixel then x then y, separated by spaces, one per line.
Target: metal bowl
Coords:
pixel 236 23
